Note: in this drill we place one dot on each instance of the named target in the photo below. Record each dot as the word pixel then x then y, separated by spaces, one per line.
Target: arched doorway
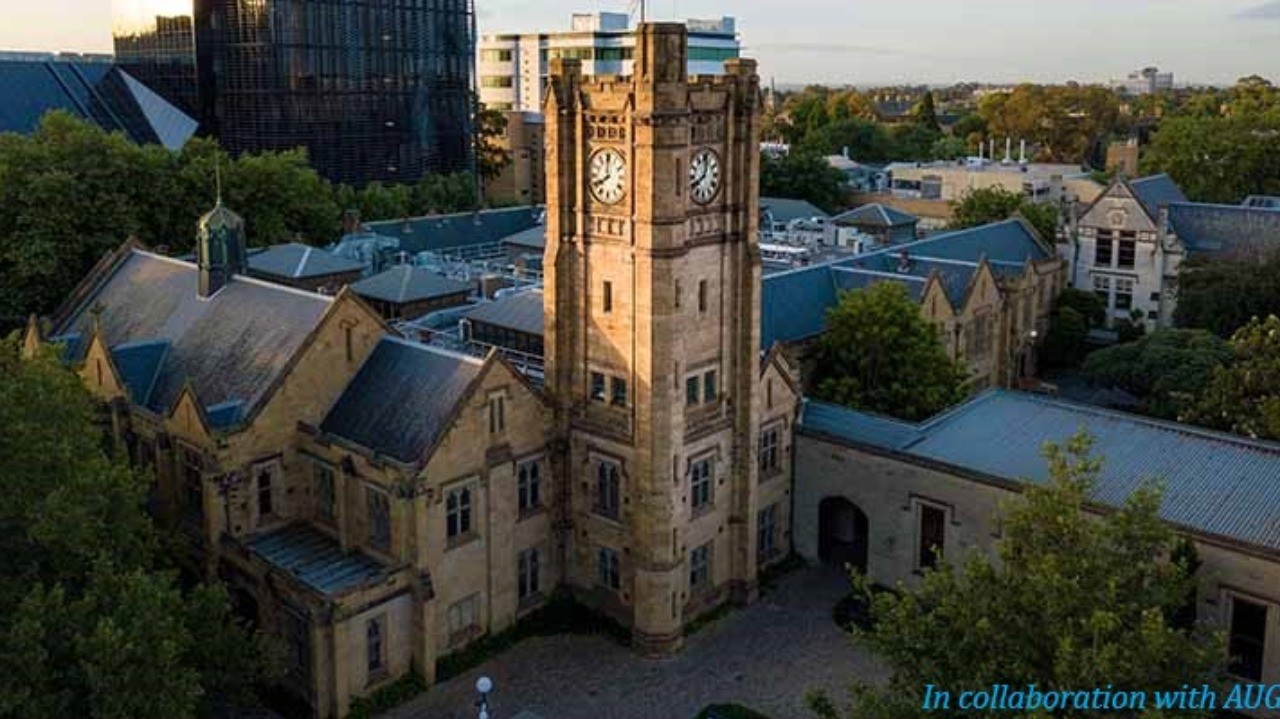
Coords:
pixel 842 533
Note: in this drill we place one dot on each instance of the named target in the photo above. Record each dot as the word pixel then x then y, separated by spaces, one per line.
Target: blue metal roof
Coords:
pixel 225 414
pixel 532 238
pixel 139 366
pixel 316 560
pixel 1225 230
pixel 876 215
pixel 793 305
pixel 1008 241
pixel 399 401
pixel 521 311
pixel 854 278
pixel 1154 191
pixel 94 91
pixel 464 229
pixel 1215 483
pixel 785 210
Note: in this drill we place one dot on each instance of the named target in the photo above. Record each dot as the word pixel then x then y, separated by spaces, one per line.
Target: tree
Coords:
pixel 1217 159
pixel 881 355
pixel 864 140
pixel 492 153
pixel 1167 370
pixel 93 623
pixel 925 114
pixel 802 176
pixel 1074 314
pixel 1071 601
pixel 1067 122
pixel 1222 296
pixel 1243 396
pixel 984 205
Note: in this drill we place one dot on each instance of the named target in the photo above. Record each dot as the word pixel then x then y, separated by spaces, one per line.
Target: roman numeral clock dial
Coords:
pixel 704 176
pixel 608 176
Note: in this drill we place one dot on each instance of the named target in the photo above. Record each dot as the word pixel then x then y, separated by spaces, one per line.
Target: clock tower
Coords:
pixel 652 306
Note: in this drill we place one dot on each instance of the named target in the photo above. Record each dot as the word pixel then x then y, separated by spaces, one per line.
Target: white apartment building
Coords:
pixel 513 66
pixel 1147 81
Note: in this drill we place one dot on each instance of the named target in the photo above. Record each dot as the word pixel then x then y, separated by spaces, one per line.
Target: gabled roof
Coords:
pixel 298 261
pixel 1154 191
pixel 1225 230
pixel 442 232
pixel 532 238
pixel 785 209
pixel 876 215
pixel 406 283
pixel 315 559
pixel 1008 241
pixel 521 312
pixel 794 304
pixel 139 366
pixel 1215 483
pixel 229 347
pixel 399 402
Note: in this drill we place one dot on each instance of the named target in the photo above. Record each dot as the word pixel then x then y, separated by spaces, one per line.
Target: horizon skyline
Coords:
pixel 1202 42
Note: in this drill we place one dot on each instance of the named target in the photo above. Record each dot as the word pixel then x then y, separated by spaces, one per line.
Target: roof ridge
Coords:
pixel 282 288
pixel 882 273
pixel 431 349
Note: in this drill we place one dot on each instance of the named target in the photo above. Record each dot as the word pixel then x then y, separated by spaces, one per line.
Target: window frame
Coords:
pixel 700 567
pixel 935 551
pixel 1260 643
pixel 701 483
pixel 324 481
pixel 770 450
pixel 458 512
pixel 528 575
pixel 608 568
pixel 529 485
pixel 608 489
pixel 766 532
pixel 378 508
pixel 375 635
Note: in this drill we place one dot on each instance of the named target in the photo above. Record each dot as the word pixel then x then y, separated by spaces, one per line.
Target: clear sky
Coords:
pixel 854 41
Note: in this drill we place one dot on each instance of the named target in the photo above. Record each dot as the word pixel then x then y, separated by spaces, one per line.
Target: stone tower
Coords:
pixel 652 305
pixel 220 248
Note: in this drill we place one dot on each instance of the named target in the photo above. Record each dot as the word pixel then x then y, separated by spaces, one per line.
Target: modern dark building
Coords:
pixel 377 90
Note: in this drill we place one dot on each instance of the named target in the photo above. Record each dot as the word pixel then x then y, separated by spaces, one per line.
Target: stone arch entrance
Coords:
pixel 842 533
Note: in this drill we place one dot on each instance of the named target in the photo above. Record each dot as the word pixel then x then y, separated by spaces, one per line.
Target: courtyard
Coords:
pixel 765 656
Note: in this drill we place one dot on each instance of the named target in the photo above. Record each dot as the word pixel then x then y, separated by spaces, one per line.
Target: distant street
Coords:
pixel 765 657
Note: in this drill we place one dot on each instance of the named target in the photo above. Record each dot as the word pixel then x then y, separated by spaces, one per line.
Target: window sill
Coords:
pixel 529 602
pixel 465 636
pixel 461 540
pixel 702 510
pixel 770 474
pixel 530 513
pixel 612 519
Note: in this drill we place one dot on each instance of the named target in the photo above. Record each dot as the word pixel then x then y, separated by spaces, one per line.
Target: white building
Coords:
pixel 1147 81
pixel 513 66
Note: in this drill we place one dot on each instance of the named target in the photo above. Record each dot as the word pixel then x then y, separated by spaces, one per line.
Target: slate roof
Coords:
pixel 1007 241
pixel 315 559
pixel 521 312
pixel 1214 483
pixel 464 229
pixel 398 403
pixel 139 366
pixel 857 278
pixel 784 209
pixel 298 261
pixel 406 283
pixel 231 346
pixel 876 215
pixel 793 305
pixel 532 238
pixel 1225 230
pixel 95 91
pixel 1154 191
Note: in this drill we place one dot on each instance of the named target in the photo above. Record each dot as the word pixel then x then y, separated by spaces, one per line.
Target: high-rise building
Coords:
pixel 373 91
pixel 513 66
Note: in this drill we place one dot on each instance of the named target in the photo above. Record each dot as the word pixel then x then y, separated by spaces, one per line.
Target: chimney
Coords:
pixel 1008 151
pixel 1022 153
pixel 845 151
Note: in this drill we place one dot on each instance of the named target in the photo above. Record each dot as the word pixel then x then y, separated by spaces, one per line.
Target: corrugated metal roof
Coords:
pixel 315 559
pixel 1230 231
pixel 398 402
pixel 1215 483
pixel 230 346
pixel 442 232
pixel 521 312
pixel 297 261
pixel 785 209
pixel 407 283
pixel 855 278
pixel 139 365
pixel 837 421
pixel 1154 191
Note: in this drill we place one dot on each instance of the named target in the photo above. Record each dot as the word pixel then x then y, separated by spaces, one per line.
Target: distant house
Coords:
pixel 884 225
pixel 405 292
pixel 784 219
pixel 1130 244
pixel 304 267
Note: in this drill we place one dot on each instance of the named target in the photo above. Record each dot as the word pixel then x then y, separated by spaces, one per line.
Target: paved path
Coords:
pixel 765 656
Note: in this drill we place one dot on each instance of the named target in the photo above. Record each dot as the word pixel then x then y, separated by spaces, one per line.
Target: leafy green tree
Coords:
pixel 92 624
pixel 493 155
pixel 914 141
pixel 1222 296
pixel 1065 122
pixel 445 193
pixel 380 202
pixel 865 140
pixel 1070 601
pixel 1074 314
pixel 984 205
pixel 926 114
pixel 802 176
pixel 1243 396
pixel 881 355
pixel 1218 159
pixel 1166 370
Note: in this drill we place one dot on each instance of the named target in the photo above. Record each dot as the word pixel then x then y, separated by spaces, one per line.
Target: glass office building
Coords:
pixel 373 89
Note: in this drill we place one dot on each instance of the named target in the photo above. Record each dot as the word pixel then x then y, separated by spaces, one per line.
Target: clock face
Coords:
pixel 704 176
pixel 608 176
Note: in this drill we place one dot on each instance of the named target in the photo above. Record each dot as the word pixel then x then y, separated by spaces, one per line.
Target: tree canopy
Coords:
pixel 1071 601
pixel 93 622
pixel 1222 296
pixel 984 205
pixel 1074 314
pixel 1243 396
pixel 1165 370
pixel 1068 123
pixel 881 355
pixel 802 176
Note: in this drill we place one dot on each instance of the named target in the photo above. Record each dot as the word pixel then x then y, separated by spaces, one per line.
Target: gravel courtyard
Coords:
pixel 765 656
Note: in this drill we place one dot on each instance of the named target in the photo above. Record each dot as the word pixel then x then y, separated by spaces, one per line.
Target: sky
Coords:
pixel 867 43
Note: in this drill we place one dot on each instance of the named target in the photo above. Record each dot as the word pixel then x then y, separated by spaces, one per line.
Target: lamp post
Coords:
pixel 484 685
